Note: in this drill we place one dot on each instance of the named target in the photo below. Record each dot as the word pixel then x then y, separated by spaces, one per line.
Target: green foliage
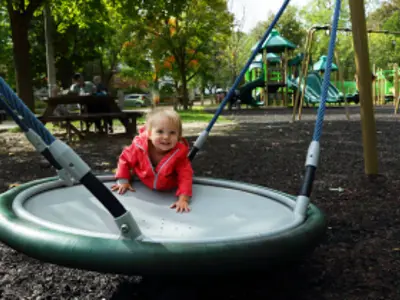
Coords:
pixel 191 41
pixel 167 90
pixel 182 35
pixel 83 27
pixel 6 53
pixel 290 25
pixel 15 130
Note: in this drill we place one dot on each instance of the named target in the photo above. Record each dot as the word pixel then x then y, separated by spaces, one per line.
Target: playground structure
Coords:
pixel 272 73
pixel 349 93
pixel 386 87
pixel 282 88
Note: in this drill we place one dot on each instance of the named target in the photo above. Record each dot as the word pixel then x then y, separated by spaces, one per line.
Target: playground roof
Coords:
pixel 275 43
pixel 321 64
pixel 296 60
pixel 258 63
pixel 271 57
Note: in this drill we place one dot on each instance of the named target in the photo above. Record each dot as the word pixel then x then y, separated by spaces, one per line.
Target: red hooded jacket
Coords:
pixel 173 171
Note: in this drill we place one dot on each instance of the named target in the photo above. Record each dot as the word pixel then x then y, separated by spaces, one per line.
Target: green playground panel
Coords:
pixel 388 75
pixel 350 87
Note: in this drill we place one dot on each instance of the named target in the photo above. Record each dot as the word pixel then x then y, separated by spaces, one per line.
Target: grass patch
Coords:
pixel 15 130
pixel 199 115
pixel 196 115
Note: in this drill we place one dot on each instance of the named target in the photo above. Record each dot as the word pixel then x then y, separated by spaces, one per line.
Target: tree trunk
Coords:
pixel 65 70
pixel 155 92
pixel 21 51
pixel 106 81
pixel 185 93
pixel 202 95
pixel 50 60
pixel 177 94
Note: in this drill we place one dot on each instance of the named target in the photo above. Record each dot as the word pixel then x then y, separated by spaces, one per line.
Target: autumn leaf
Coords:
pixel 13 185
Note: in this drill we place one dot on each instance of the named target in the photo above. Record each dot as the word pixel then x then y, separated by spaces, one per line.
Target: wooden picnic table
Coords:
pixel 92 109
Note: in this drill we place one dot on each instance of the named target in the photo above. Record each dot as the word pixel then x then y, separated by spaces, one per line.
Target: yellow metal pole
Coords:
pixel 305 74
pixel 285 72
pixel 374 86
pixel 303 68
pixel 266 73
pixel 383 85
pixel 396 88
pixel 341 80
pixel 360 41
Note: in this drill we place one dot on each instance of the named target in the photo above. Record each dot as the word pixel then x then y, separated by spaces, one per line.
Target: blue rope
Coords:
pixel 327 75
pixel 4 105
pixel 30 120
pixel 250 60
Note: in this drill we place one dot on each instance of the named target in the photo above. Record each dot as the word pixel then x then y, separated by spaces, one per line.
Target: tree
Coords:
pixel 86 30
pixel 385 17
pixel 320 13
pixel 185 29
pixel 289 26
pixel 6 62
pixel 20 14
pixel 216 68
pixel 88 38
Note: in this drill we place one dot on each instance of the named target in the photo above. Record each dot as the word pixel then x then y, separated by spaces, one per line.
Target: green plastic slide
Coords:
pixel 314 89
pixel 246 89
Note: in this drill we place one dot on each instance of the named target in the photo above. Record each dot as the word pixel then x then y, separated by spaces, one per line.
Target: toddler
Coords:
pixel 158 157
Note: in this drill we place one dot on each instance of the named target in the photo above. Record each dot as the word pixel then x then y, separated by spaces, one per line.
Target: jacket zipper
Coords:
pixel 152 168
pixel 156 173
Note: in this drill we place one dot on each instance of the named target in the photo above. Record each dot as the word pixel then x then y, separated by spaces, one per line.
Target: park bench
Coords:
pixel 93 109
pixel 128 120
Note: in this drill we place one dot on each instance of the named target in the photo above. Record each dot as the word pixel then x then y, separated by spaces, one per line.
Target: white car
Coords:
pixel 41 94
pixel 137 100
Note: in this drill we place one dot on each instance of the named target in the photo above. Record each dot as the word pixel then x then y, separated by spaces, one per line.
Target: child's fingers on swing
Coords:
pixel 121 190
pixel 180 207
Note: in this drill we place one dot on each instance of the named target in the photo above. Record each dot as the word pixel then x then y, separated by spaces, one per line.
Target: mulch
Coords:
pixel 358 259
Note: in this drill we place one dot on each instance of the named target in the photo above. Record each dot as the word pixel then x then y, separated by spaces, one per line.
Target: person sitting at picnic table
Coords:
pixel 81 87
pixel 84 88
pixel 101 90
pixel 100 87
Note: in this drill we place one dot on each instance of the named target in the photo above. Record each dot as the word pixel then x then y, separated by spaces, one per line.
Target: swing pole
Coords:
pixel 364 74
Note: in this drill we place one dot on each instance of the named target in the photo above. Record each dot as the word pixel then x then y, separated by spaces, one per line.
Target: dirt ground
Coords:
pixel 358 259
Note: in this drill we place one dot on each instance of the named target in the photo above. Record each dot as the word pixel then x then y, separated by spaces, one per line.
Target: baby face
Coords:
pixel 164 135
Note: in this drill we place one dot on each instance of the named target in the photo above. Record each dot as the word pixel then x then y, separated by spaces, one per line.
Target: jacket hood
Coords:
pixel 142 140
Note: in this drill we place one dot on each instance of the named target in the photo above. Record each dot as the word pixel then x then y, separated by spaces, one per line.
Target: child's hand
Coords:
pixel 182 205
pixel 122 188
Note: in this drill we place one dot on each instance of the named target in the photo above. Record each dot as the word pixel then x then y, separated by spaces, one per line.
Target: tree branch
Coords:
pixel 191 76
pixel 32 6
pixel 10 8
pixel 114 62
pixel 167 40
pixel 21 5
pixel 194 54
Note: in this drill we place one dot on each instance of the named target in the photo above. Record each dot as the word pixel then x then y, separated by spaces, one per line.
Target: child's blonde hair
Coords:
pixel 170 114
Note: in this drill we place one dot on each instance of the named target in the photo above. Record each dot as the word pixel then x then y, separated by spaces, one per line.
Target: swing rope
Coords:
pixel 303 199
pixel 199 143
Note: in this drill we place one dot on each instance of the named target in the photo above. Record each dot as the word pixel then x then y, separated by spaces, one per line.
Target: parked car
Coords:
pixel 41 94
pixel 137 100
